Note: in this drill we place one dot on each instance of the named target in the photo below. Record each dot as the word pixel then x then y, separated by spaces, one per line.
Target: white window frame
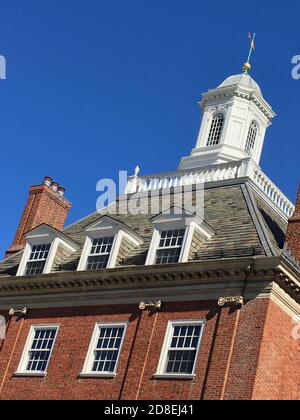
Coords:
pixel 251 150
pixel 160 374
pixel 25 355
pixel 90 359
pixel 158 248
pixel 211 129
pixel 45 235
pixel 104 228
pixel 170 222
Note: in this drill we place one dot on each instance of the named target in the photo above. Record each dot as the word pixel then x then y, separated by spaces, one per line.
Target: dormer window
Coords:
pixel 100 253
pixel 216 129
pixel 107 242
pixel 170 246
pixel 174 237
pixel 37 260
pixel 251 139
pixel 45 247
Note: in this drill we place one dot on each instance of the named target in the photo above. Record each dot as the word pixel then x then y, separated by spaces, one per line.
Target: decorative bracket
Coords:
pixel 231 301
pixel 13 311
pixel 144 305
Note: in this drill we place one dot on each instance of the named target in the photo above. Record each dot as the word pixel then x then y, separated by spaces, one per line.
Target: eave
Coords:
pixel 204 280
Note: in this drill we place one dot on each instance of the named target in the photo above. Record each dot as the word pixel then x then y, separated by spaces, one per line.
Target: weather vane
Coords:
pixel 247 65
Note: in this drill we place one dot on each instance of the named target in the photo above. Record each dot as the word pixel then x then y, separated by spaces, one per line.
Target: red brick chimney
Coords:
pixel 45 204
pixel 293 232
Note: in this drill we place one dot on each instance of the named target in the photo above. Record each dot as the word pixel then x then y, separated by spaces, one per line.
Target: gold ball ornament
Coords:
pixel 247 67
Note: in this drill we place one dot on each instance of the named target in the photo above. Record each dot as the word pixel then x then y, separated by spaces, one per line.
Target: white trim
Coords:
pixel 24 358
pixel 187 242
pixel 112 262
pixel 51 256
pixel 167 376
pixel 153 247
pixel 25 258
pixel 89 361
pixel 97 375
pixel 30 375
pixel 160 374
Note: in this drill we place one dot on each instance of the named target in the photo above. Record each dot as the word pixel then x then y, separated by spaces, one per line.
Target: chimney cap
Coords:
pixel 48 181
pixel 61 191
pixel 54 186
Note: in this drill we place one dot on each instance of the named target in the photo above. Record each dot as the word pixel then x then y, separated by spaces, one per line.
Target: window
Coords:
pixel 45 249
pixel 170 246
pixel 180 349
pixel 107 242
pixel 100 253
pixel 38 350
pixel 104 351
pixel 216 130
pixel 37 260
pixel 253 130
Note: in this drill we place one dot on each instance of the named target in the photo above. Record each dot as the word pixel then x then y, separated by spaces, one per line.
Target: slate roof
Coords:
pixel 244 225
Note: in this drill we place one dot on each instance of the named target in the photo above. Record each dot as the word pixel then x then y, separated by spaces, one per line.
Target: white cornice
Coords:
pixel 231 91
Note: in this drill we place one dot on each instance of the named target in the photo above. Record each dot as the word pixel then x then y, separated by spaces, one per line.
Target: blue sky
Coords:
pixel 94 87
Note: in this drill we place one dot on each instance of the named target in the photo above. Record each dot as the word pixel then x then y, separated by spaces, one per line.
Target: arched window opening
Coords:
pixel 251 139
pixel 216 128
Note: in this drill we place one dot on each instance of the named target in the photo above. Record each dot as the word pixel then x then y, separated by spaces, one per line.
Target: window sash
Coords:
pixel 34 268
pixel 97 262
pixel 39 253
pixel 102 246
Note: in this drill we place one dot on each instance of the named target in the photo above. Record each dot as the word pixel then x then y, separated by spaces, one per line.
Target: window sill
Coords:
pixel 30 375
pixel 170 376
pixel 97 375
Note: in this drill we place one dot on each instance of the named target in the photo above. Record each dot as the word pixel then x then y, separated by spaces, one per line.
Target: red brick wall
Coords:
pixel 234 360
pixel 278 372
pixel 43 206
pixel 293 232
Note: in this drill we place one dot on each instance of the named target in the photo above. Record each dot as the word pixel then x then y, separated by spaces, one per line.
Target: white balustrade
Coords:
pixel 240 169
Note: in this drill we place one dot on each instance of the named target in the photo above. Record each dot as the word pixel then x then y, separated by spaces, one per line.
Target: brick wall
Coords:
pixel 44 205
pixel 244 354
pixel 293 231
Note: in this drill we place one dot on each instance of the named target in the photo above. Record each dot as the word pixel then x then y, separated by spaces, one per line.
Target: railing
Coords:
pixel 227 171
pixel 273 193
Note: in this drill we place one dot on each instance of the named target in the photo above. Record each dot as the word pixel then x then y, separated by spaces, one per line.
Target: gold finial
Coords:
pixel 247 65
